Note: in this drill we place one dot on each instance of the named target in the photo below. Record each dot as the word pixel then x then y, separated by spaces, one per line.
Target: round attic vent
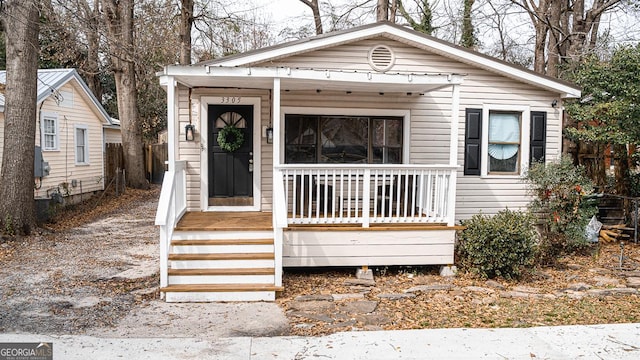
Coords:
pixel 381 58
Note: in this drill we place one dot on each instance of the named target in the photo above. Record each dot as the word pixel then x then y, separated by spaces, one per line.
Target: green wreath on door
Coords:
pixel 230 138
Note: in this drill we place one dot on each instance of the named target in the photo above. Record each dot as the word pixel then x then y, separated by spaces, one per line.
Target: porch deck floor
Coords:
pixel 225 220
pixel 255 220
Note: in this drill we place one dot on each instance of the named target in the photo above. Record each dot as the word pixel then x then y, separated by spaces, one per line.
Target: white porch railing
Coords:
pixel 171 206
pixel 366 194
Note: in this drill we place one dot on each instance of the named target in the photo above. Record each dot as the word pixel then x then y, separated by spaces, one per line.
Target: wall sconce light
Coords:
pixel 554 103
pixel 189 132
pixel 269 134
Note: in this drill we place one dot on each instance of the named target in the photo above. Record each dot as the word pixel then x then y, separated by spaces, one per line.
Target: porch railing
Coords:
pixel 171 206
pixel 367 194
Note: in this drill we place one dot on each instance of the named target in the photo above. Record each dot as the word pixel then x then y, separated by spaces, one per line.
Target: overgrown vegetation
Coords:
pixel 501 245
pixel 564 202
pixel 608 116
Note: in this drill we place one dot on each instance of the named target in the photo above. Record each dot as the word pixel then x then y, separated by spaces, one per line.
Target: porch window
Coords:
pixel 504 142
pixel 343 139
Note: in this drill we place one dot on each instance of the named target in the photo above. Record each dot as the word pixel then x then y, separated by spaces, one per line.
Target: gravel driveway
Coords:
pixel 101 278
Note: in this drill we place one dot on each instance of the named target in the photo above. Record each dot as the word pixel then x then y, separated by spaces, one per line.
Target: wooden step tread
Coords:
pixel 223 242
pixel 221 288
pixel 250 271
pixel 233 256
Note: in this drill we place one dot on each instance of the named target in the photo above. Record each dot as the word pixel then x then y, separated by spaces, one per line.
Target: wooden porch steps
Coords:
pixel 223 242
pixel 221 288
pixel 227 272
pixel 214 263
pixel 245 256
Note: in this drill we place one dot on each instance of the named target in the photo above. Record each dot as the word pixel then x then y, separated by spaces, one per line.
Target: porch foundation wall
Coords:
pixel 303 248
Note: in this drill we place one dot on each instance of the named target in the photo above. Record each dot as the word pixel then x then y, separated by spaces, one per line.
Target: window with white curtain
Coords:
pixel 504 142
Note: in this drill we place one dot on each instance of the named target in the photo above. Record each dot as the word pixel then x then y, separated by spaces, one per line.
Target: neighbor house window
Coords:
pixel 49 129
pixel 343 139
pixel 504 142
pixel 81 145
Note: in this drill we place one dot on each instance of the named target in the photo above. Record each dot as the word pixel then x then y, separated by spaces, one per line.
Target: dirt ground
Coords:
pixel 95 272
pixel 85 270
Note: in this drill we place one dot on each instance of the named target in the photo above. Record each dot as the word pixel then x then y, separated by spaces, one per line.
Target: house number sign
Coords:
pixel 230 99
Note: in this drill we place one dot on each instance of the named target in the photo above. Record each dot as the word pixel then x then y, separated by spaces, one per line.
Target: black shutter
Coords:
pixel 538 136
pixel 472 141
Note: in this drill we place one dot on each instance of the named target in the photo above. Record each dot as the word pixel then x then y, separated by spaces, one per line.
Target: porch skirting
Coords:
pixel 375 246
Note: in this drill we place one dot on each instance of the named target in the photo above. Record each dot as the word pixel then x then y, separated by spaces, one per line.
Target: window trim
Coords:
pixel 525 123
pixel 50 116
pixel 86 144
pixel 404 114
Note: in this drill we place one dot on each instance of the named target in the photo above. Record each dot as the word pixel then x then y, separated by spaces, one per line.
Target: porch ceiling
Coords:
pixel 310 79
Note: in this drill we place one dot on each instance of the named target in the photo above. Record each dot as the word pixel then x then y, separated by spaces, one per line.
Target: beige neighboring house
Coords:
pixel 362 147
pixel 72 130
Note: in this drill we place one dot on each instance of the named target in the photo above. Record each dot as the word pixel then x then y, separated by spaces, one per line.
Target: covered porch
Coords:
pixel 321 214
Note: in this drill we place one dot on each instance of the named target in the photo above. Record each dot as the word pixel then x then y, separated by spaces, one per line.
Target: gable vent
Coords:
pixel 381 58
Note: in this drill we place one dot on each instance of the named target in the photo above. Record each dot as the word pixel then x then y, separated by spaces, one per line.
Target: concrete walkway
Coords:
pixel 620 341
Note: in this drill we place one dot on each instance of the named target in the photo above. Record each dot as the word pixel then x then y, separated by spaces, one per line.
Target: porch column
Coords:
pixel 453 154
pixel 171 126
pixel 279 209
pixel 455 114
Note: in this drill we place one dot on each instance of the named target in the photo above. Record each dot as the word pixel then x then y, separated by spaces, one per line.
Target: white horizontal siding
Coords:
pixel 191 150
pixel 356 248
pixel 62 162
pixel 430 116
pixel 112 136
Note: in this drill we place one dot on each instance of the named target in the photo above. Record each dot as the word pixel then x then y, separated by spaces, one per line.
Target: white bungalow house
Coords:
pixel 361 147
pixel 72 128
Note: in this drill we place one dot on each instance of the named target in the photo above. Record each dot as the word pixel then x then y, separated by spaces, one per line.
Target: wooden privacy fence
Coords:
pixel 155 156
pixel 113 161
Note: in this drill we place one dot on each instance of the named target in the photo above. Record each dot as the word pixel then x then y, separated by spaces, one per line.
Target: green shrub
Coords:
pixel 499 245
pixel 563 198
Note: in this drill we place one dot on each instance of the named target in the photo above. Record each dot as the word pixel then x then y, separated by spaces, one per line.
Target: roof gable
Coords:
pixel 52 80
pixel 406 36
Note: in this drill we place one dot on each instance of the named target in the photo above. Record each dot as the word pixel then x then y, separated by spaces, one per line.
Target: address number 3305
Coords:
pixel 230 99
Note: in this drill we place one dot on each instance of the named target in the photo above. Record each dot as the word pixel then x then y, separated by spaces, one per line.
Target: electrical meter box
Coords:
pixel 40 167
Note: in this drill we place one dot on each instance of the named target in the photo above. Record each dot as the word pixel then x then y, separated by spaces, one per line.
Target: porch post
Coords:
pixel 453 154
pixel 279 210
pixel 171 126
pixel 455 114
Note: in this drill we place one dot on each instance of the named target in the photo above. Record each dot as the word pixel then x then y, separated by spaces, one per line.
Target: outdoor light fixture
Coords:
pixel 269 134
pixel 554 103
pixel 189 131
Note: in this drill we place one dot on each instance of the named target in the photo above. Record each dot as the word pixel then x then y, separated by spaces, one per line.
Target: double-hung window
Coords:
pixel 81 145
pixel 343 139
pixel 503 140
pixel 49 130
pixel 503 150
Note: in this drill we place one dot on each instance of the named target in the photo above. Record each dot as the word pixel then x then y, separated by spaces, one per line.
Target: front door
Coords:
pixel 231 162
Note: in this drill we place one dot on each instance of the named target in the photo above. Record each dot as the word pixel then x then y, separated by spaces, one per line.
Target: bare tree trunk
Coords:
pixel 315 9
pixel 186 23
pixel 21 25
pixel 538 15
pixel 468 39
pixel 382 10
pixel 393 10
pixel 553 45
pixel 92 72
pixel 119 15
